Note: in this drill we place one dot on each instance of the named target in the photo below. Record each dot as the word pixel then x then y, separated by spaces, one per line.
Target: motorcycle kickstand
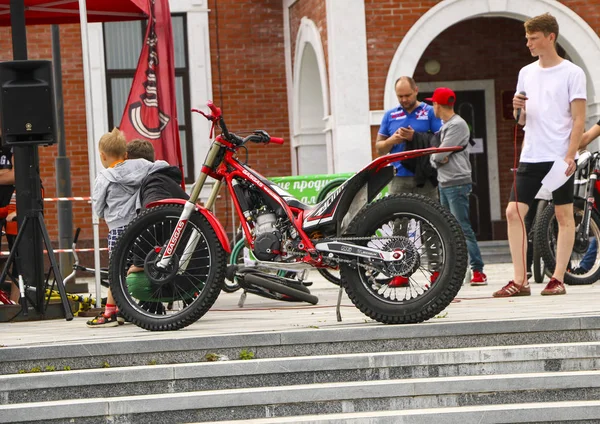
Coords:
pixel 242 299
pixel 338 311
pixel 302 275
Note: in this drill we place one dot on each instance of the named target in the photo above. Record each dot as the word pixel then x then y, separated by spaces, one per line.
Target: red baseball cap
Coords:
pixel 443 96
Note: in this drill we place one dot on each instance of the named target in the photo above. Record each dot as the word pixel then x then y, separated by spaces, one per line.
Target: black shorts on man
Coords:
pixel 529 182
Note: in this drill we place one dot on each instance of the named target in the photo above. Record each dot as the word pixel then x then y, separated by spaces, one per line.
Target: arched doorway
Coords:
pixel 311 144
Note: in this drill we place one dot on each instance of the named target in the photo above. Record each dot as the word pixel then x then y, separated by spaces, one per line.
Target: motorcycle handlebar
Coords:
pixel 259 136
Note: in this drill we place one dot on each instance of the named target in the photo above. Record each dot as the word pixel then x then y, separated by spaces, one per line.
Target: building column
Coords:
pixel 349 84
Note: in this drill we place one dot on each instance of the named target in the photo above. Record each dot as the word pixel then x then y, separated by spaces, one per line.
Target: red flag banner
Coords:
pixel 151 110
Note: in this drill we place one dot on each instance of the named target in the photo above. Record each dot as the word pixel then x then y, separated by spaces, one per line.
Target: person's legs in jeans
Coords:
pixel 587 262
pixel 457 200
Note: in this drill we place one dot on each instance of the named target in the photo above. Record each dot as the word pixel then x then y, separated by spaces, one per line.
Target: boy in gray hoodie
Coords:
pixel 114 199
pixel 454 174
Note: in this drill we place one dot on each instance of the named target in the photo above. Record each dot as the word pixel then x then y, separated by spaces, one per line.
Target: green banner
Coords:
pixel 306 188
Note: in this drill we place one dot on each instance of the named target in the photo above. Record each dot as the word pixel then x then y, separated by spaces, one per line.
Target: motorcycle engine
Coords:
pixel 267 244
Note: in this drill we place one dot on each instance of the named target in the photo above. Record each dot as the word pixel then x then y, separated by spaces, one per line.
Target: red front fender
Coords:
pixel 212 220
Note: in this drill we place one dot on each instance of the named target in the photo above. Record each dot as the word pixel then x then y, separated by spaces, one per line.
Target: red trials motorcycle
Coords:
pixel 402 258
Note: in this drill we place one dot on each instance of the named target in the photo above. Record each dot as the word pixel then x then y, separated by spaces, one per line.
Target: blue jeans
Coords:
pixel 587 262
pixel 456 198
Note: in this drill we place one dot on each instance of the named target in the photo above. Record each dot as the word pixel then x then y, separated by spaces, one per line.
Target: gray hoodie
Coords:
pixel 116 190
pixel 457 171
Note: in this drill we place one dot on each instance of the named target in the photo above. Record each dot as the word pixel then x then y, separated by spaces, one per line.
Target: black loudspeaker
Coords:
pixel 27 102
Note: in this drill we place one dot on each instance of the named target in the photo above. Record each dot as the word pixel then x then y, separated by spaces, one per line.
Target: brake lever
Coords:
pixel 207 116
pixel 210 117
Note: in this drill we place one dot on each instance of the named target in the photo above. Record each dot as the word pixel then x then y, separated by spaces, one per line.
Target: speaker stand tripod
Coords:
pixel 36 218
pixel 27 244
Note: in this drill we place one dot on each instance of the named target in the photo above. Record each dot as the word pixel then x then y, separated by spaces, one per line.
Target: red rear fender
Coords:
pixel 212 220
pixel 385 160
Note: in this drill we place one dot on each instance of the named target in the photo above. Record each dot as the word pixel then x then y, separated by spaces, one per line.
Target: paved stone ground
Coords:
pixel 259 315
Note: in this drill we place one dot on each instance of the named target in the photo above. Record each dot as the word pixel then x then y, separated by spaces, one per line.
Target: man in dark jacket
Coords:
pixel 425 174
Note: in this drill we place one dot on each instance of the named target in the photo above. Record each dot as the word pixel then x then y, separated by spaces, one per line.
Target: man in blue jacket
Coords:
pixel 397 129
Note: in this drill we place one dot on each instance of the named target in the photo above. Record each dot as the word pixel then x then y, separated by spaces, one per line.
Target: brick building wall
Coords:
pixel 249 80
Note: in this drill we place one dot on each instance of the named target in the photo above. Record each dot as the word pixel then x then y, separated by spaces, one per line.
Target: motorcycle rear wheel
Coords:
pixel 547 238
pixel 440 237
pixel 539 266
pixel 186 295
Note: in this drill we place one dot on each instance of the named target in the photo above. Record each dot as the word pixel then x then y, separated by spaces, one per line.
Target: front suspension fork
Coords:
pixel 168 251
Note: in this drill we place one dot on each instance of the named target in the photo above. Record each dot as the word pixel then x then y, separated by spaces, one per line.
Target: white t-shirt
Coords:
pixel 548 122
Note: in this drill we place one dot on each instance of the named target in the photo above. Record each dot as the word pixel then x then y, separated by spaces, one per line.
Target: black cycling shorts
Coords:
pixel 529 182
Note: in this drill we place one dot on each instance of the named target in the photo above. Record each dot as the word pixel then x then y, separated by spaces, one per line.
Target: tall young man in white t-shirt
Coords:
pixel 553 113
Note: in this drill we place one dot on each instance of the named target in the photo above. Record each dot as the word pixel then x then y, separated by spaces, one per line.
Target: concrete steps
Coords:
pixel 181 378
pixel 576 411
pixel 318 398
pixel 369 338
pixel 521 371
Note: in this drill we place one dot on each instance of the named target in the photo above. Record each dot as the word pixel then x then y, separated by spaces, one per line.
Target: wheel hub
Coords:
pixel 581 244
pixel 158 275
pixel 409 263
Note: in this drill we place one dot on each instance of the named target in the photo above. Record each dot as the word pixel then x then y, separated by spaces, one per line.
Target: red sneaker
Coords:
pixel 479 279
pixel 554 287
pixel 511 289
pixel 434 276
pixel 399 281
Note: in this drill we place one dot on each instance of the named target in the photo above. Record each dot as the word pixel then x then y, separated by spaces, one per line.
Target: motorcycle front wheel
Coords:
pixel 426 280
pixel 159 299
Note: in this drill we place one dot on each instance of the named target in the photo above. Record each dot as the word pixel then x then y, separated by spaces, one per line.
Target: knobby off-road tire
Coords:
pixel 187 296
pixel 539 266
pixel 421 300
pixel 546 238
